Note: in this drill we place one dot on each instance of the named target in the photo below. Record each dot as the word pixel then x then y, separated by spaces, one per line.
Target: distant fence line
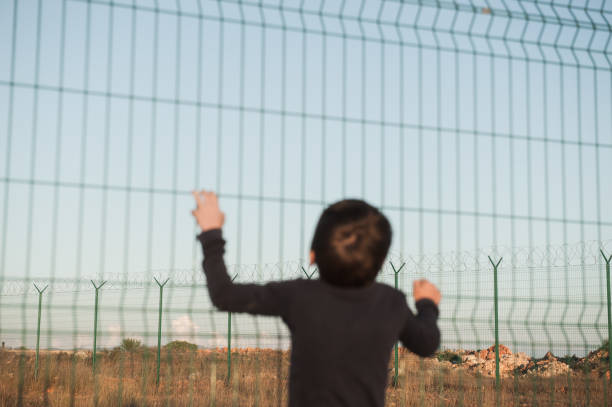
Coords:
pixel 581 254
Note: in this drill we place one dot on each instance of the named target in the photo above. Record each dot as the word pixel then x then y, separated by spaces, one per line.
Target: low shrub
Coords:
pixel 449 356
pixel 180 346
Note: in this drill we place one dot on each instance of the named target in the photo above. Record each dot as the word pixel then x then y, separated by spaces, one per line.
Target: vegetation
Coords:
pixel 259 377
pixel 130 345
pixel 449 356
pixel 180 346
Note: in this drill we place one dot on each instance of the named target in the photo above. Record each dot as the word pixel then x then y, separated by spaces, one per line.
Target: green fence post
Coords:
pixel 159 321
pixel 229 342
pixel 608 259
pixel 309 276
pixel 496 301
pixel 40 293
pixel 396 347
pixel 97 288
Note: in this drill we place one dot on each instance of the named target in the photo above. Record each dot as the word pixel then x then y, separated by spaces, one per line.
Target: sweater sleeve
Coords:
pixel 270 299
pixel 420 333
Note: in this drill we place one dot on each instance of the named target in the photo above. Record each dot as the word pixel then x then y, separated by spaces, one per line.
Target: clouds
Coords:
pixel 184 329
pixel 114 336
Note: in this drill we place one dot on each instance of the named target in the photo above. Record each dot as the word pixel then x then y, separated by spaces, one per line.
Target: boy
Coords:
pixel 343 325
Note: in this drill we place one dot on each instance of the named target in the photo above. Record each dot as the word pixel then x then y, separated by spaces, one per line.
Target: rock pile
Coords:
pixel 596 361
pixel 548 366
pixel 483 362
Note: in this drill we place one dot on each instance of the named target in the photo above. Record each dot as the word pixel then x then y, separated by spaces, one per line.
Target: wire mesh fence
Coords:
pixel 531 283
pixel 482 129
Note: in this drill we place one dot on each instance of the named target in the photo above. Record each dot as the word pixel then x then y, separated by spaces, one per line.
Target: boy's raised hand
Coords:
pixel 207 214
pixel 423 289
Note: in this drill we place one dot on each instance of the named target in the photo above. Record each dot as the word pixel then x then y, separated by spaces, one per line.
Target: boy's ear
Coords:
pixel 312 257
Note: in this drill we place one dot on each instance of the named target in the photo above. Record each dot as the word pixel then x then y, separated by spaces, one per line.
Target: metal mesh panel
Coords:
pixel 482 129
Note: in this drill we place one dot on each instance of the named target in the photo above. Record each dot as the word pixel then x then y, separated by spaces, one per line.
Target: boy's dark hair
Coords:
pixel 350 242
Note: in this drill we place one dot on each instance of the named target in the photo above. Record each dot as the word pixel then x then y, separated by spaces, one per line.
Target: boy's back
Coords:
pixel 342 326
pixel 341 338
pixel 341 341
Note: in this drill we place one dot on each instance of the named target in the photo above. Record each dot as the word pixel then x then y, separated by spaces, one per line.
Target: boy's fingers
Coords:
pixel 417 284
pixel 211 197
pixel 208 196
pixel 198 198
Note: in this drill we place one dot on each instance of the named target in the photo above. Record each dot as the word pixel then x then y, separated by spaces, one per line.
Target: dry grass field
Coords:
pixel 260 377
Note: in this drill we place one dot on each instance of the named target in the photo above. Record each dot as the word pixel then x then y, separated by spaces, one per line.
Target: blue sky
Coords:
pixel 285 145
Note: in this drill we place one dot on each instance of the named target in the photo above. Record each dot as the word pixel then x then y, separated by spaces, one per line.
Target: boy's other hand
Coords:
pixel 207 214
pixel 423 289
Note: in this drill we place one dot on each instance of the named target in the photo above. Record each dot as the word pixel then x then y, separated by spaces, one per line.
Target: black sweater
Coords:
pixel 341 338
